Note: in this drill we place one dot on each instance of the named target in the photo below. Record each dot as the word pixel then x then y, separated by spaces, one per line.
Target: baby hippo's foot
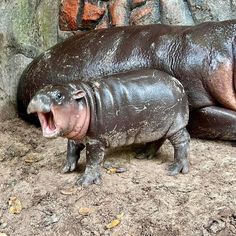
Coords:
pixel 180 141
pixel 90 177
pixel 177 167
pixel 69 166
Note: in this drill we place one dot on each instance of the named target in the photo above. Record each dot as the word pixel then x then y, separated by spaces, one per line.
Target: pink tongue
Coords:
pixel 51 122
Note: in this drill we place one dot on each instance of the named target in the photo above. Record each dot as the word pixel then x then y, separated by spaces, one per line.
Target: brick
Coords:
pixel 120 12
pixel 137 3
pixel 91 15
pixel 68 15
pixel 92 12
pixel 104 22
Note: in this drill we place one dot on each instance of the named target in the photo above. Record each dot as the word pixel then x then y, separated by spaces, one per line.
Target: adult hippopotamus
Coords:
pixel 146 106
pixel 201 57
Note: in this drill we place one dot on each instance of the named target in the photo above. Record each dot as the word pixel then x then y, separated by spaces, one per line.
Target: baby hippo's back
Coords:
pixel 138 107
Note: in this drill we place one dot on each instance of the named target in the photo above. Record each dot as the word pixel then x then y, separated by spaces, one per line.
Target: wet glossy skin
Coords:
pixel 145 106
pixel 202 57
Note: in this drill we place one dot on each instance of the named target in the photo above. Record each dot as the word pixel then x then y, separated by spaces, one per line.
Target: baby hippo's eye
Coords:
pixel 59 95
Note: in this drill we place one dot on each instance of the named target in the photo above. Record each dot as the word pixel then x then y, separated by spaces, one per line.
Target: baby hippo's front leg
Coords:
pixel 94 158
pixel 73 155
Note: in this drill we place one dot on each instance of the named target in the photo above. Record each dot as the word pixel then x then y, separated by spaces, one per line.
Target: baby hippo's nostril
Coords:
pixel 44 98
pixel 39 103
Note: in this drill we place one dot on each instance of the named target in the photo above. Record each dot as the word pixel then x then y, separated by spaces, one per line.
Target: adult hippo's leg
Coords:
pixel 73 154
pixel 180 141
pixel 213 123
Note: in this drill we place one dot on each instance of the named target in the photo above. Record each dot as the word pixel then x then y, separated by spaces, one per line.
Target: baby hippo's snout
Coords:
pixel 39 103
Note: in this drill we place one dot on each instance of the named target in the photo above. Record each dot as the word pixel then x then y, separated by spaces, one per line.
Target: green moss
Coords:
pixel 34 23
pixel 23 22
pixel 47 18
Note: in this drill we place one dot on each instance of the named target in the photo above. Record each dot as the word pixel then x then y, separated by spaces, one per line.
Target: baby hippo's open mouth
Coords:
pixel 42 105
pixel 49 128
pixel 60 115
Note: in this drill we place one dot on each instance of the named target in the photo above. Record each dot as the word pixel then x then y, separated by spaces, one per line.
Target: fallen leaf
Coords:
pixel 85 211
pixel 114 170
pixel 113 224
pixel 111 170
pixel 15 205
pixel 68 191
pixel 32 158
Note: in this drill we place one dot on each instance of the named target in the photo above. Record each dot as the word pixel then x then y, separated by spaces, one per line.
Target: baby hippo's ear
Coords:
pixel 77 94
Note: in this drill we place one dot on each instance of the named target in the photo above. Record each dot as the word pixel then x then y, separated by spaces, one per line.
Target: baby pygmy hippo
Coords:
pixel 145 106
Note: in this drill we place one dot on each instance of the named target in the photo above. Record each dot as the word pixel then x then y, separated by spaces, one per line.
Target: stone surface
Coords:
pixel 31 22
pixel 27 28
pixel 212 10
pixel 7 107
pixel 119 11
pixel 175 12
pixel 233 9
pixel 47 21
pixel 13 69
pixel 146 14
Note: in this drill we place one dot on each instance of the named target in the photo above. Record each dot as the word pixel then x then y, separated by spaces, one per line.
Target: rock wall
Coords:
pixel 91 14
pixel 29 27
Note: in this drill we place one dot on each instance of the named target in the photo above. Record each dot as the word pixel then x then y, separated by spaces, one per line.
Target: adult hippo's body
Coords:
pixel 201 57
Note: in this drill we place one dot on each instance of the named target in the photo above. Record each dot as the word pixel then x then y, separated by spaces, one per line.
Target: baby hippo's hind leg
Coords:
pixel 150 149
pixel 180 141
pixel 73 155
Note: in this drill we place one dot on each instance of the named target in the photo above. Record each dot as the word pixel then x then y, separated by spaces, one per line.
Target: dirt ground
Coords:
pixel 143 201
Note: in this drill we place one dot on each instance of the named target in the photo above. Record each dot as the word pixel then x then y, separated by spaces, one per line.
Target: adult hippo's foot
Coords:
pixel 180 142
pixel 213 123
pixel 73 155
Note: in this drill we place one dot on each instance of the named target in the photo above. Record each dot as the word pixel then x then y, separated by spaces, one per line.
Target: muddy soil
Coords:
pixel 143 201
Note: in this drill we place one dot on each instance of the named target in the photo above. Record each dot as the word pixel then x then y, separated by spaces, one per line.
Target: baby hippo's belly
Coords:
pixel 146 132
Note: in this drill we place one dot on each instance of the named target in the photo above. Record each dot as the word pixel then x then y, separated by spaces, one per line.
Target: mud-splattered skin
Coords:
pixel 202 57
pixel 145 106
